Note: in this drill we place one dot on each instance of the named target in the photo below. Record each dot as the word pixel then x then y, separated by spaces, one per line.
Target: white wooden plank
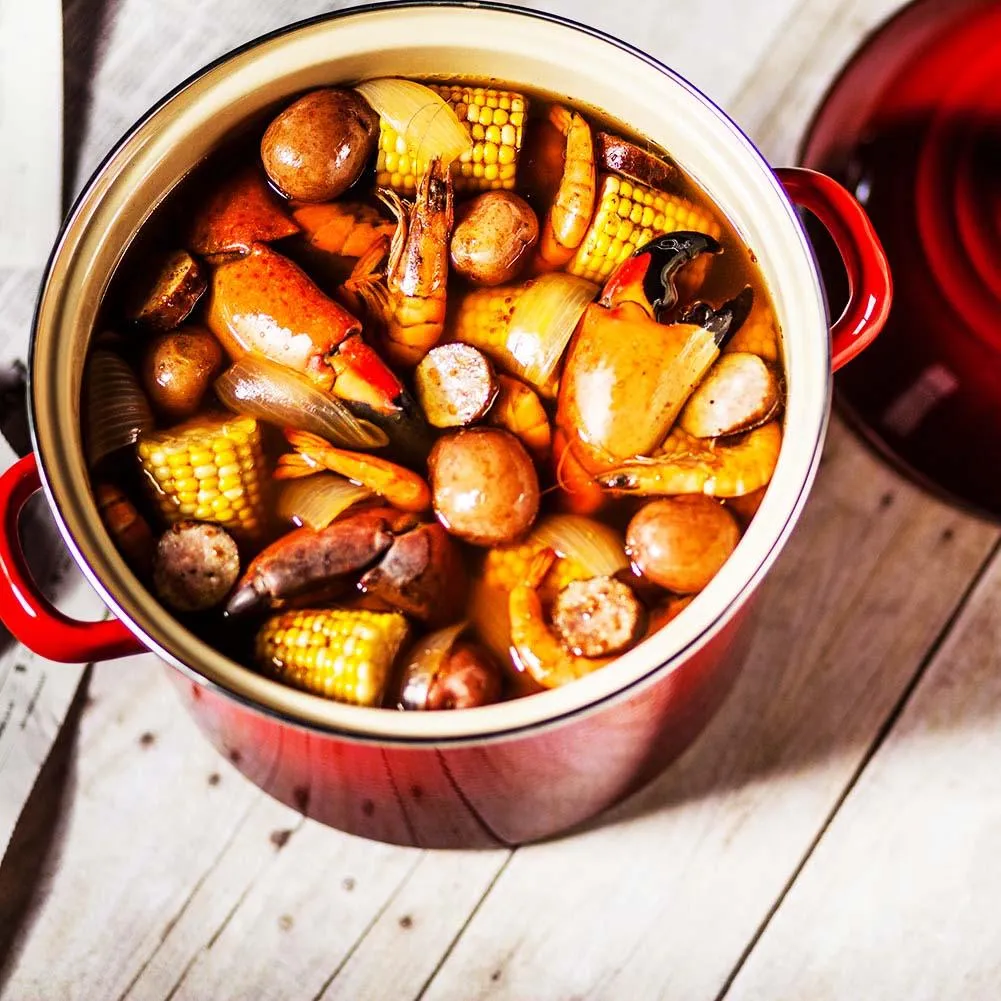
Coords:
pixel 267 830
pixel 299 920
pixel 401 950
pixel 900 898
pixel 660 899
pixel 145 822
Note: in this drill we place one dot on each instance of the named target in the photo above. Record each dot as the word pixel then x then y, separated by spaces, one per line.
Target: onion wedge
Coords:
pixel 429 127
pixel 595 546
pixel 258 387
pixel 542 324
pixel 315 501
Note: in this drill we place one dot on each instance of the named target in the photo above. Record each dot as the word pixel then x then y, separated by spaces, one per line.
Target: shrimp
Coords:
pixel 417 271
pixel 396 484
pixel 533 644
pixel 519 410
pixel 687 465
pixel 127 527
pixel 347 229
pixel 569 216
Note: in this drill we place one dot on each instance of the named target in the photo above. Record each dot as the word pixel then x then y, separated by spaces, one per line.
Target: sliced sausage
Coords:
pixel 740 392
pixel 196 564
pixel 455 385
pixel 597 617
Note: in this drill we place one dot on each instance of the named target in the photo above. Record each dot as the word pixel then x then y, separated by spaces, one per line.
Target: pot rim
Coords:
pixel 488 723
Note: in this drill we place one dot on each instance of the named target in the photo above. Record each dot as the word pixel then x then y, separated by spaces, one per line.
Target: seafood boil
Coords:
pixel 425 396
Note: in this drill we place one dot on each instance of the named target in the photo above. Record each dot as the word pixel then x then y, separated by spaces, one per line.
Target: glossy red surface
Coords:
pixel 870 287
pixel 913 127
pixel 25 611
pixel 503 790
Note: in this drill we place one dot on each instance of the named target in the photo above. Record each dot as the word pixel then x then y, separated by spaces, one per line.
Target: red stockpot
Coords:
pixel 501 774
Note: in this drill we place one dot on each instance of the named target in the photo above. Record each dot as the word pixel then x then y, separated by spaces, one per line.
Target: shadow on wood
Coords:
pixel 35 846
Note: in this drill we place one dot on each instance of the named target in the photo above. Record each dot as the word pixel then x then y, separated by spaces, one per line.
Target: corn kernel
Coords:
pixel 187 483
pixel 492 116
pixel 627 217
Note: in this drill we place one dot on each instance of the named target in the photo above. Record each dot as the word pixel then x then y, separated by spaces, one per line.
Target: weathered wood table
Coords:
pixel 832 835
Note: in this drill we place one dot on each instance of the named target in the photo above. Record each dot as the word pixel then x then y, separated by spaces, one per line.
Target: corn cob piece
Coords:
pixel 483 319
pixel 346 655
pixel 629 215
pixel 503 568
pixel 506 566
pixel 495 120
pixel 209 468
pixel 758 334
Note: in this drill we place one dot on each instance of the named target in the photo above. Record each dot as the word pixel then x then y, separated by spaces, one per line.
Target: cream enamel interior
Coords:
pixel 474 42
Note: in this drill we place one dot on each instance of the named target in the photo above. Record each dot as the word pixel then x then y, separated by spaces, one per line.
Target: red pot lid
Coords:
pixel 913 127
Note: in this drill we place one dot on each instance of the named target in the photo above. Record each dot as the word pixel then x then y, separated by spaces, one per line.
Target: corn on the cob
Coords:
pixel 503 568
pixel 506 566
pixel 495 120
pixel 757 334
pixel 343 654
pixel 483 319
pixel 208 469
pixel 629 215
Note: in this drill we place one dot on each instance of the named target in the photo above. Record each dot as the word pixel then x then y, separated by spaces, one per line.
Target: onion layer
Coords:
pixel 117 410
pixel 315 501
pixel 429 127
pixel 258 387
pixel 423 664
pixel 542 323
pixel 595 546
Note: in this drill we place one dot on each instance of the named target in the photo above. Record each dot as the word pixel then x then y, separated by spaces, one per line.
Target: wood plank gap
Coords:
pixel 884 731
pixel 179 913
pixel 386 904
pixel 465 924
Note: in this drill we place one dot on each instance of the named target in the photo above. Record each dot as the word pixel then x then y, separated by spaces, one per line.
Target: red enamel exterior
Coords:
pixel 870 288
pixel 502 789
pixel 24 610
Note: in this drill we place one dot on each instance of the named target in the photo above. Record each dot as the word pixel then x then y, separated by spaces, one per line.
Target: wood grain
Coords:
pixel 900 898
pixel 688 870
pixel 192 889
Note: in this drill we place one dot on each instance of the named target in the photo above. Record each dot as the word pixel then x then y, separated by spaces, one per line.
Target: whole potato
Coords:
pixel 681 542
pixel 493 240
pixel 484 485
pixel 178 368
pixel 318 146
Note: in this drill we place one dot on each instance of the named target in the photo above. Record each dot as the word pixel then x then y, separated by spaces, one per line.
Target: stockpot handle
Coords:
pixel 870 287
pixel 31 618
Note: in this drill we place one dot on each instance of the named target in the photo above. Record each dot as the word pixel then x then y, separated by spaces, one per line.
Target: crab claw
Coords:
pixel 724 322
pixel 315 564
pixel 412 566
pixel 362 377
pixel 421 574
pixel 647 278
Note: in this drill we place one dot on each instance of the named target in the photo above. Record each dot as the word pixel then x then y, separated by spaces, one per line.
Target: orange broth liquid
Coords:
pixel 165 230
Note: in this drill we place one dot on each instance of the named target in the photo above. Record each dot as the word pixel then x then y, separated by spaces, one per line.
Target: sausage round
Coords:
pixel 195 567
